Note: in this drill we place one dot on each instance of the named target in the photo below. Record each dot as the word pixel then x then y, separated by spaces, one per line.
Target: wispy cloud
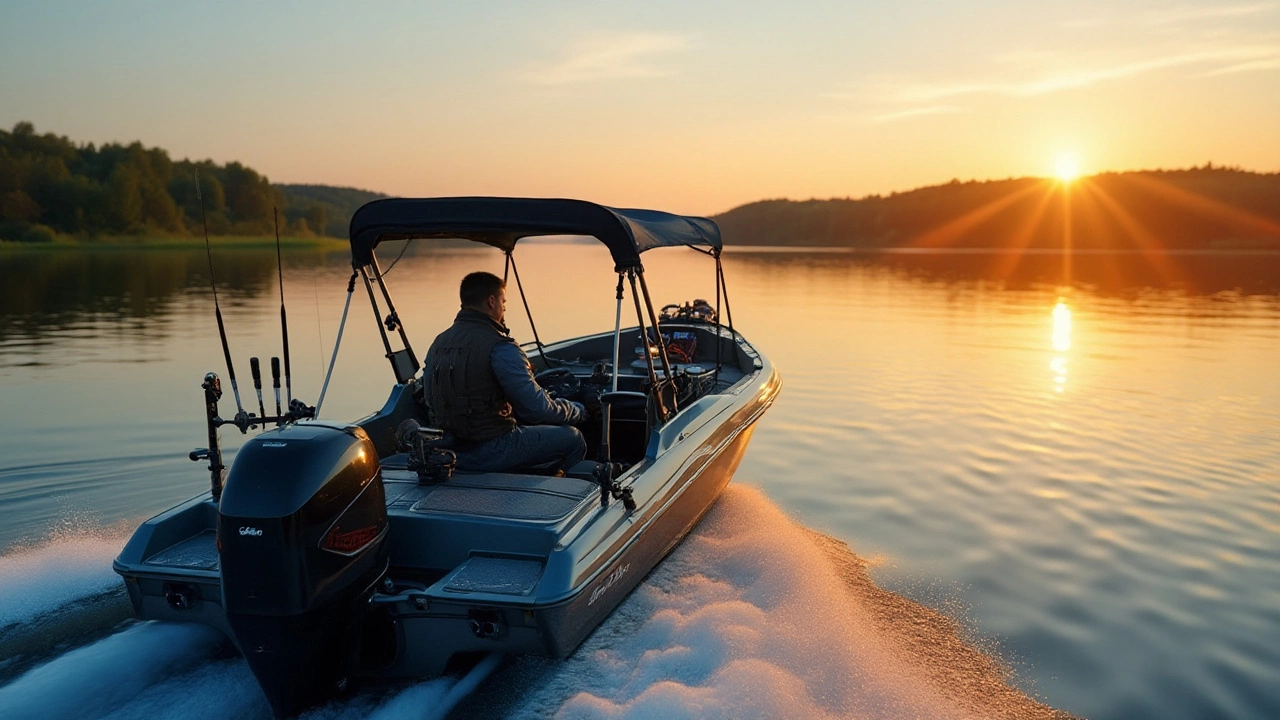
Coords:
pixel 1186 14
pixel 885 100
pixel 612 56
pixel 1172 15
pixel 1254 66
pixel 1235 59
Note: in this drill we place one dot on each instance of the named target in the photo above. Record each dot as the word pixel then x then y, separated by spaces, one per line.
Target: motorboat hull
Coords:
pixel 482 563
pixel 427 638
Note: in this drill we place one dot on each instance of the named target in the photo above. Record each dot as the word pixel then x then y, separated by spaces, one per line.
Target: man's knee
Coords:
pixel 574 444
pixel 577 440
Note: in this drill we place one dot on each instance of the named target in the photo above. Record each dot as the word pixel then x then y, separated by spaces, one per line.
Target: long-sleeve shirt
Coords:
pixel 531 404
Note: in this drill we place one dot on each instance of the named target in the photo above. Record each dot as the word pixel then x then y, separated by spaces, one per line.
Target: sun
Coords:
pixel 1066 166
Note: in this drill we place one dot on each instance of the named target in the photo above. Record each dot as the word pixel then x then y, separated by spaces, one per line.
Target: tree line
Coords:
pixel 50 185
pixel 1197 208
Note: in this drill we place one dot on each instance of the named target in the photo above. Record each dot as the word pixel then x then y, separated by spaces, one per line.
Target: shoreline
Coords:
pixel 128 242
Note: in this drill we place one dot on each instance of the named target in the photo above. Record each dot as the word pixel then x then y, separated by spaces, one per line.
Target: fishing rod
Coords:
pixel 284 325
pixel 217 309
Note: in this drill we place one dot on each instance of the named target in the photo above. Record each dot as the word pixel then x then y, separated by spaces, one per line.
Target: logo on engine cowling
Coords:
pixel 246 530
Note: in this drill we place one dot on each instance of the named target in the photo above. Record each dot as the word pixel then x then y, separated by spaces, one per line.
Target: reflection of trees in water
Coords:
pixel 49 291
pixel 1110 274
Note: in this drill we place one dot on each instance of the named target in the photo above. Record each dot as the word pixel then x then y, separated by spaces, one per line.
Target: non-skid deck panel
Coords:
pixel 501 495
pixel 198 553
pixel 507 504
pixel 569 487
pixel 505 576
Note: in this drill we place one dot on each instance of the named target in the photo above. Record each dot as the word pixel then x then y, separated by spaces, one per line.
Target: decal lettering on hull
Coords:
pixel 607 583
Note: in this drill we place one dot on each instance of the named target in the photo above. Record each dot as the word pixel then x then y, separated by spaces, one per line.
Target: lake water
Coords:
pixel 1077 458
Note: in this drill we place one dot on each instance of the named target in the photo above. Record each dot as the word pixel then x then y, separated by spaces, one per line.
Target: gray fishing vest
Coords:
pixel 462 393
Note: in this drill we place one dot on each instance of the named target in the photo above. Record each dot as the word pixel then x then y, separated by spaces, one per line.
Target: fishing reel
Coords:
pixel 606 477
pixel 427 456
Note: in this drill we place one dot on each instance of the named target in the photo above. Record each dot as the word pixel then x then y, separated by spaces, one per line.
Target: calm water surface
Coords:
pixel 1080 460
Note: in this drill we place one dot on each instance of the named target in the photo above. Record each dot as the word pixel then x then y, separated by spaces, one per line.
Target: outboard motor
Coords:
pixel 301 534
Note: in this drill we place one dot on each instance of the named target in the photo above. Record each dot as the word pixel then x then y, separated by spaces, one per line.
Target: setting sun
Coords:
pixel 1066 167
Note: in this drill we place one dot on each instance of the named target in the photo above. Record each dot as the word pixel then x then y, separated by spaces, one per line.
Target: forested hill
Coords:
pixel 1200 208
pixel 50 185
pixel 338 203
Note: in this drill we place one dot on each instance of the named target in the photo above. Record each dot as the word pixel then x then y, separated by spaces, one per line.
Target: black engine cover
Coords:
pixel 301 532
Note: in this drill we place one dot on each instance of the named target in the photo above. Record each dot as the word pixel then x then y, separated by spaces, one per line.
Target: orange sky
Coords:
pixel 689 107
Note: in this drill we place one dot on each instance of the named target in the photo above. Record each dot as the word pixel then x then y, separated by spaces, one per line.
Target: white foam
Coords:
pixel 92 680
pixel 434 699
pixel 66 568
pixel 227 689
pixel 748 618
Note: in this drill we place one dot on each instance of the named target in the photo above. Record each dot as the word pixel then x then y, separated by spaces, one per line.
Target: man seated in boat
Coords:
pixel 477 382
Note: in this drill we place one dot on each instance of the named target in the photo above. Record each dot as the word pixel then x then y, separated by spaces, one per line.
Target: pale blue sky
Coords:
pixel 688 106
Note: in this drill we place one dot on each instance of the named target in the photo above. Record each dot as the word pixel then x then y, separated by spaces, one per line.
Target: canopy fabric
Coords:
pixel 501 222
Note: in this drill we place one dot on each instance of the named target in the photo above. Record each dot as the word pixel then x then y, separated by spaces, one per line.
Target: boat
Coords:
pixel 337 553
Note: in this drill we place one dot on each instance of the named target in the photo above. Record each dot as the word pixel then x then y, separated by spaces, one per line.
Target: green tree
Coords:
pixel 125 199
pixel 18 205
pixel 317 218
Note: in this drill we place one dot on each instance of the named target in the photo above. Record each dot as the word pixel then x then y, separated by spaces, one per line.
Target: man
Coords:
pixel 477 382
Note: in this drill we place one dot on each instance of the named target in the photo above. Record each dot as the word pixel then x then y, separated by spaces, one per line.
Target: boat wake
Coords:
pixel 57 595
pixel 65 568
pixel 752 616
pixel 755 616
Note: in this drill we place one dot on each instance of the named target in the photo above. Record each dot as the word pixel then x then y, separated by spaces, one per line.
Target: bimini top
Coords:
pixel 500 222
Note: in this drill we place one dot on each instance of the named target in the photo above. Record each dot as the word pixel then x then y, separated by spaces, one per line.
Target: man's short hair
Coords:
pixel 478 287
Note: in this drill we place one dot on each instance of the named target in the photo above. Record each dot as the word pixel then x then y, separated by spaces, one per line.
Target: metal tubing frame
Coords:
pixel 662 349
pixel 606 432
pixel 617 336
pixel 351 289
pixel 644 337
pixel 391 308
pixel 728 311
pixel 377 313
pixel 653 318
pixel 719 340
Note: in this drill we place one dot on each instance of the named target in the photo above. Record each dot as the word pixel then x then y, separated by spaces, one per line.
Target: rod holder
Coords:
pixel 275 380
pixel 255 368
pixel 212 393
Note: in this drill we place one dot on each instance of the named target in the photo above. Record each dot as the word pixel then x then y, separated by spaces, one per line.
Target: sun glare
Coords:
pixel 1066 167
pixel 1061 327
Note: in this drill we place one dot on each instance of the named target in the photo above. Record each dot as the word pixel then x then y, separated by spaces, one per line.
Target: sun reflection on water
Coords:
pixel 1061 327
pixel 1061 344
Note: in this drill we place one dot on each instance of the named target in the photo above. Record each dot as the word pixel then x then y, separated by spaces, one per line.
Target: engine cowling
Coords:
pixel 301 529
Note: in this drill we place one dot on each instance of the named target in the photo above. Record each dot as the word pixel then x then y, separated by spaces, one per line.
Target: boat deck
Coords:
pixel 195 553
pixel 507 496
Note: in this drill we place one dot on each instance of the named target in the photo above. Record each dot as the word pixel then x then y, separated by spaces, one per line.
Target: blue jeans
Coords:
pixel 527 447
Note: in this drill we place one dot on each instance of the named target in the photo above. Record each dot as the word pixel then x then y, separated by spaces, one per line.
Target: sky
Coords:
pixel 687 106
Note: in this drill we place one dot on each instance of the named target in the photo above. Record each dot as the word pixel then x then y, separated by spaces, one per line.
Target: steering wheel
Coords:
pixel 558 382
